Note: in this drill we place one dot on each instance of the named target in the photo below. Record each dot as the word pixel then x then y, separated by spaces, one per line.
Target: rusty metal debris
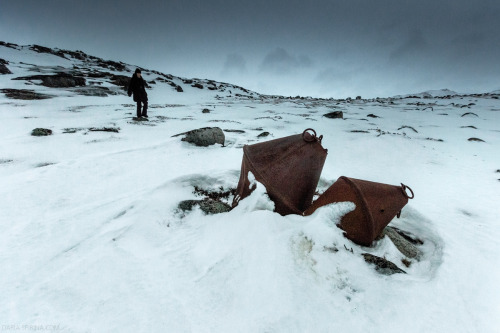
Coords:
pixel 376 205
pixel 290 168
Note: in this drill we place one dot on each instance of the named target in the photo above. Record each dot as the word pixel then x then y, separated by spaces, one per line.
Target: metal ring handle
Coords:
pixel 404 188
pixel 313 136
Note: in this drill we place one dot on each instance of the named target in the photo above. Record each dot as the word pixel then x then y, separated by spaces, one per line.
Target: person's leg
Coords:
pixel 138 109
pixel 145 108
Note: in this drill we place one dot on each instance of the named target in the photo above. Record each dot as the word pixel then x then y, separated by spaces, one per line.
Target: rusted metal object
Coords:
pixel 288 167
pixel 376 205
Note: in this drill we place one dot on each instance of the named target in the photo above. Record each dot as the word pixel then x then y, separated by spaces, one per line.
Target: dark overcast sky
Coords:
pixel 310 48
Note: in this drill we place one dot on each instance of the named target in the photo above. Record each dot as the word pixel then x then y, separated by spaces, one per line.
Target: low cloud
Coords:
pixel 280 62
pixel 234 64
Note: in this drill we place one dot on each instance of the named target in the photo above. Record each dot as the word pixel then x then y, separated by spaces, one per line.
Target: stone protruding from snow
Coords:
pixel 383 266
pixel 4 69
pixel 204 137
pixel 41 132
pixel 334 115
pixel 403 245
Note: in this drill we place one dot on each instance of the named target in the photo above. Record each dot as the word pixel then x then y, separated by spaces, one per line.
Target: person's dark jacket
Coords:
pixel 137 86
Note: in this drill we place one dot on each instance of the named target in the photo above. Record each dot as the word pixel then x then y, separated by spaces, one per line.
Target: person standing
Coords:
pixel 137 87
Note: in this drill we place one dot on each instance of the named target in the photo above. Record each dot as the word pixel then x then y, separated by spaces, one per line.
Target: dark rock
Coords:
pixel 205 111
pixel 358 97
pixel 63 81
pixel 383 266
pixel 179 89
pixel 204 137
pixel 335 115
pixel 3 62
pixel 371 115
pixel 117 66
pixel 41 132
pixel 120 80
pixel 263 134
pixel 60 80
pixel 4 69
pixel 43 49
pixel 80 55
pixel 197 85
pixel 9 45
pixel 105 129
pixel 476 140
pixel 403 245
pixel 359 131
pixel 234 131
pixel 24 94
pixel 470 126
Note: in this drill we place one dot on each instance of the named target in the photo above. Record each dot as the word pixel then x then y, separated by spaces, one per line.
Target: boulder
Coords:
pixel 41 132
pixel 204 137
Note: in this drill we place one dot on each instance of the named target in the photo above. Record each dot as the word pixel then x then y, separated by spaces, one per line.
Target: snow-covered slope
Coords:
pixel 92 240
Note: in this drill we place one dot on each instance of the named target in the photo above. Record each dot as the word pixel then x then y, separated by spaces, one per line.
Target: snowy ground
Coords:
pixel 91 239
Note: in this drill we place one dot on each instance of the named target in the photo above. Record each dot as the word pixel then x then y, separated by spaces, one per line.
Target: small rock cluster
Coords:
pixel 212 203
pixel 406 243
pixel 23 94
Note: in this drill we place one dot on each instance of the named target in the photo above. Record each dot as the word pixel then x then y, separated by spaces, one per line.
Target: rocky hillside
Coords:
pixel 79 73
